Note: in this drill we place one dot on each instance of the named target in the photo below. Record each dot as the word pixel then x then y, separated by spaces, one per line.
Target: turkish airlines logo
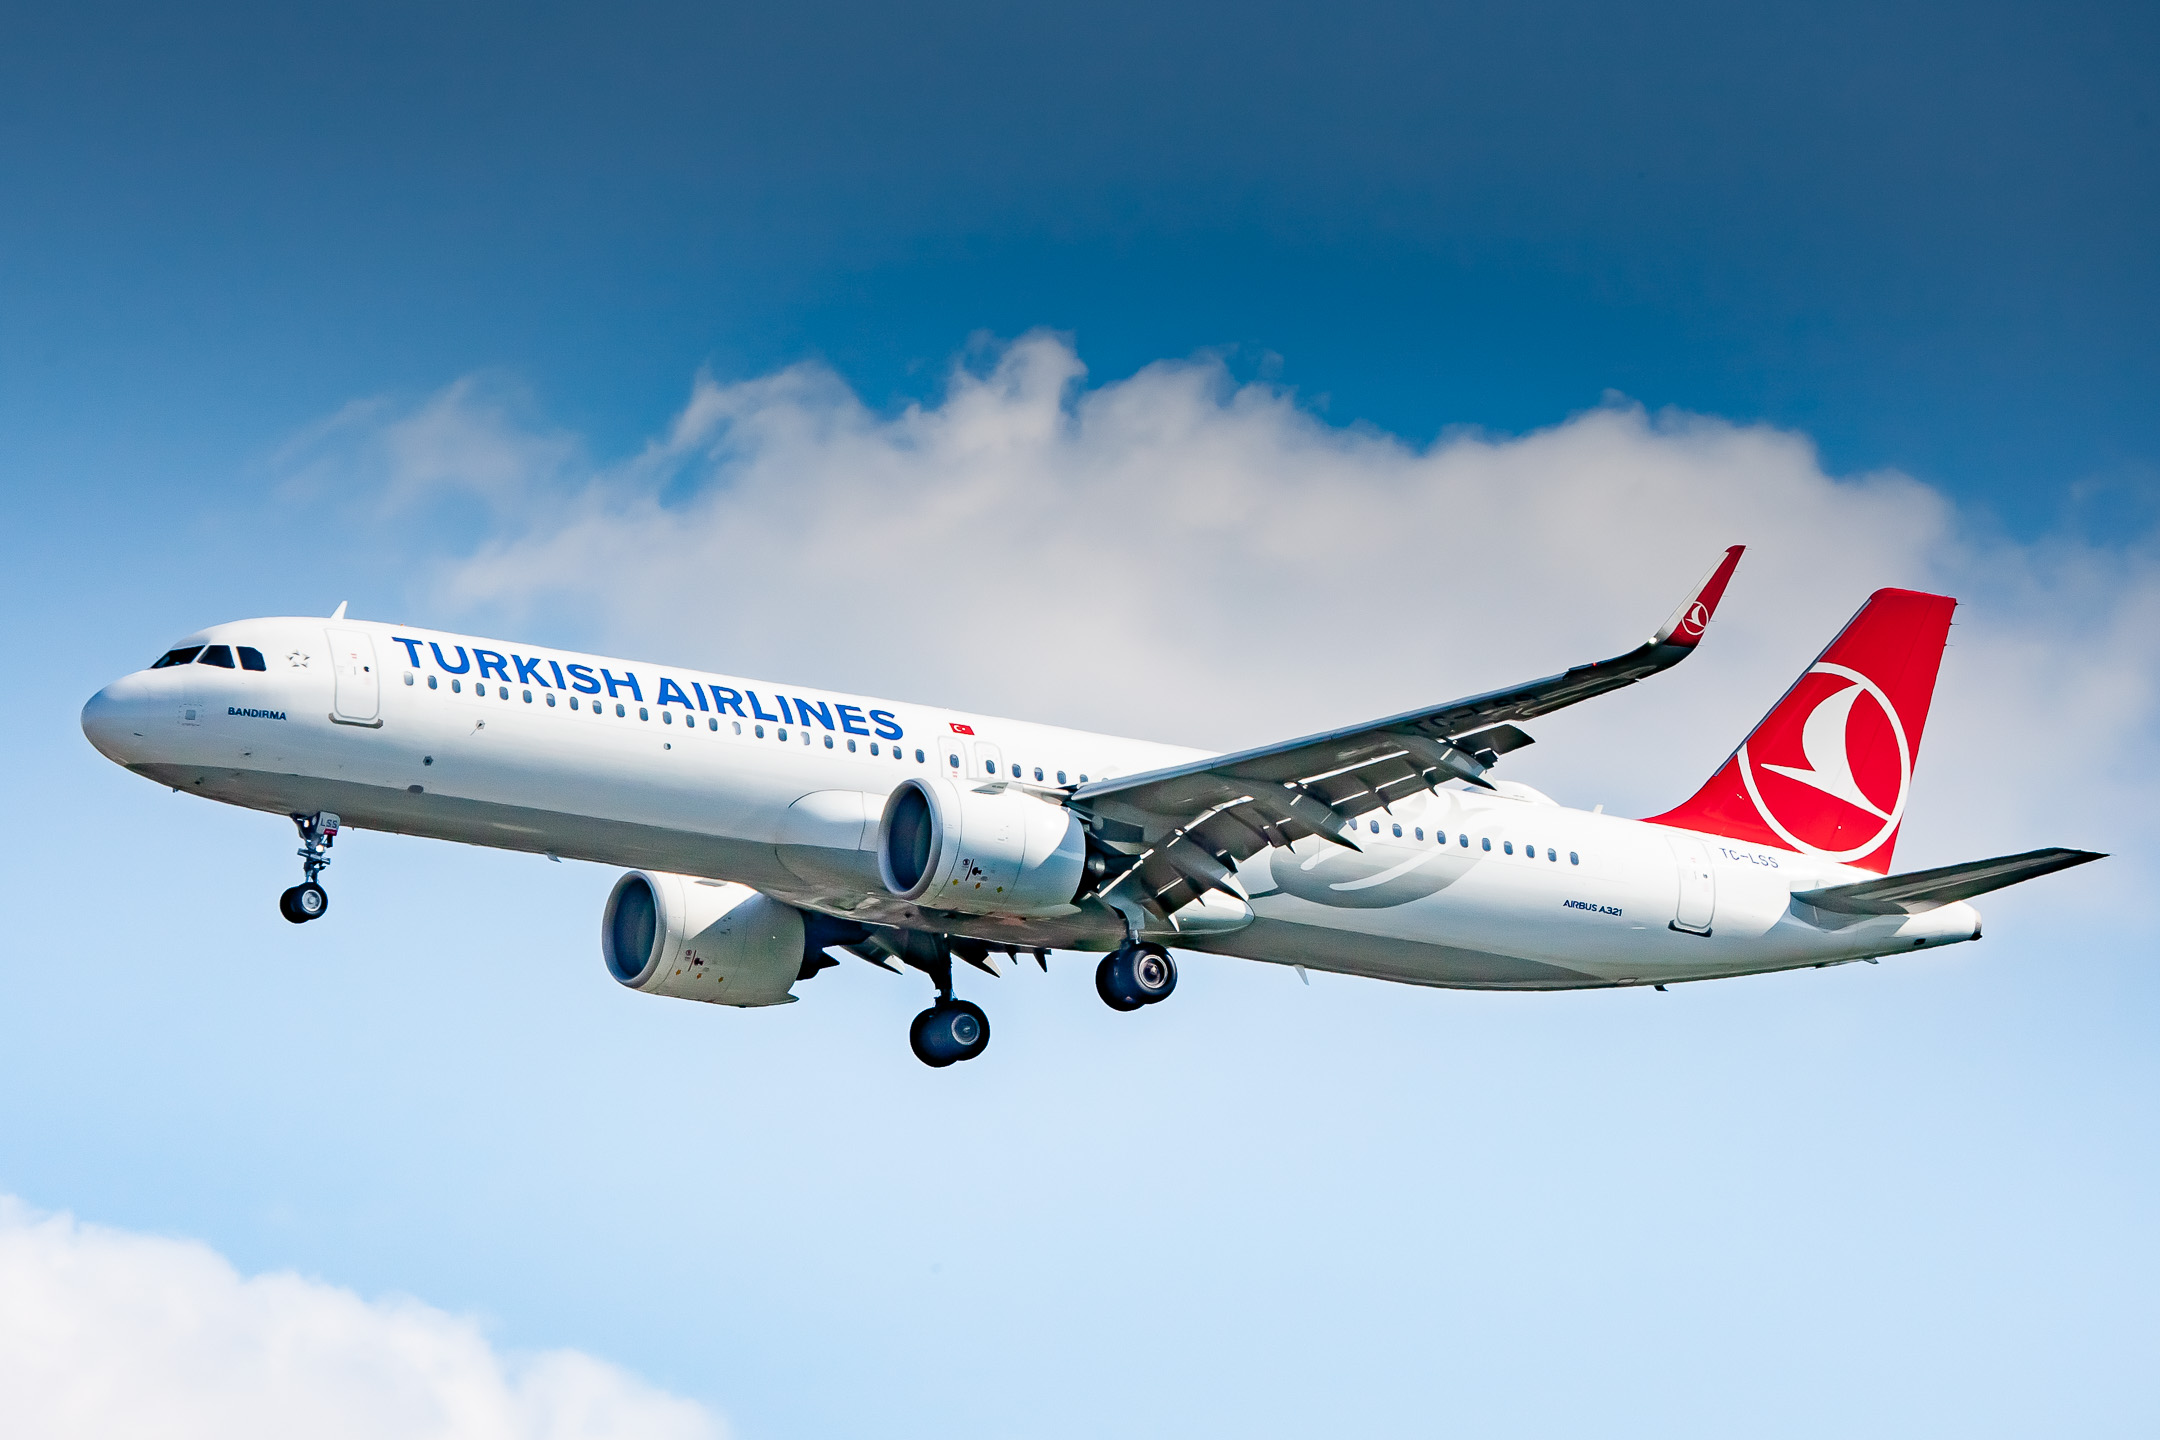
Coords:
pixel 1847 793
pixel 1696 620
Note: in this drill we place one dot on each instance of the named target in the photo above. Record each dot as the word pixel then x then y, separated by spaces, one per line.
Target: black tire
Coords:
pixel 915 1035
pixel 1114 987
pixel 286 908
pixel 948 1033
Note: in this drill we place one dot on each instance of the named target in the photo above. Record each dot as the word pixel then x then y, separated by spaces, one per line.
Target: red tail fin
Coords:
pixel 1828 770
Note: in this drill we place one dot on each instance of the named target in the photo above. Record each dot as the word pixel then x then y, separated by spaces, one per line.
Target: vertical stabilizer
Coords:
pixel 1829 769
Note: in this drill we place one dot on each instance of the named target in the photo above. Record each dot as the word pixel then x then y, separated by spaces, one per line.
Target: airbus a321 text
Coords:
pixel 769 826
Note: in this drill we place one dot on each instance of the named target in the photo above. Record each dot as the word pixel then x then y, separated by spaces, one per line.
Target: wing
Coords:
pixel 1186 828
pixel 1922 890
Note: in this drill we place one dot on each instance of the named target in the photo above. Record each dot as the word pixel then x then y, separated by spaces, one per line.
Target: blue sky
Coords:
pixel 768 342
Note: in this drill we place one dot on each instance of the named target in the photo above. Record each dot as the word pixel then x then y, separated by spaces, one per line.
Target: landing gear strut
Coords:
pixel 951 1030
pixel 1136 974
pixel 308 900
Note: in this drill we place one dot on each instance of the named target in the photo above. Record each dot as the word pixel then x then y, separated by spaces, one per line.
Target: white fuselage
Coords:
pixel 781 788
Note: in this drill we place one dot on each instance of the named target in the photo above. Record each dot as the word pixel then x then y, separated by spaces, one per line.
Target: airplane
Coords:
pixel 766 826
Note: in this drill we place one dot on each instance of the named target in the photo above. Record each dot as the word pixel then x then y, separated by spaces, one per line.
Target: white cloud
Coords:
pixel 1177 556
pixel 106 1333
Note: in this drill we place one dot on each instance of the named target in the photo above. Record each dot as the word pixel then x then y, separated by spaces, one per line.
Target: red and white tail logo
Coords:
pixel 1828 770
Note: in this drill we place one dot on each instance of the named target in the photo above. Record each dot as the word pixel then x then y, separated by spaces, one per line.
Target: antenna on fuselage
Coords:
pixel 339 613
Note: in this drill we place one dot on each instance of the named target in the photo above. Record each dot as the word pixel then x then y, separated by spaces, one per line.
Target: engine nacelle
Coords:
pixel 701 940
pixel 988 851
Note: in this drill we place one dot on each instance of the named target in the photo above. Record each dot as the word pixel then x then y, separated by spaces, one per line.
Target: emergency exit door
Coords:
pixel 1696 904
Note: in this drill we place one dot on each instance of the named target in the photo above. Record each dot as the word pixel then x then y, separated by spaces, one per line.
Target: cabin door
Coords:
pixel 359 690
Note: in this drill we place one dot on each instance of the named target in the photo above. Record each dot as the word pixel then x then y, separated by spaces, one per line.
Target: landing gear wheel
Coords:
pixel 1112 994
pixel 1136 975
pixel 948 1032
pixel 303 903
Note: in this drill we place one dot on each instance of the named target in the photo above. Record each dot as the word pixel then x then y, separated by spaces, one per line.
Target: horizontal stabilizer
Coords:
pixel 1926 889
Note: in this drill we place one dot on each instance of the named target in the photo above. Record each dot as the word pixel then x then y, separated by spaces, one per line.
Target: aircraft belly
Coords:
pixel 1384 957
pixel 438 816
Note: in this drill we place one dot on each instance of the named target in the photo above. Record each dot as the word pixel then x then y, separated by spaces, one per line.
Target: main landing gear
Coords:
pixel 1135 975
pixel 308 900
pixel 951 1030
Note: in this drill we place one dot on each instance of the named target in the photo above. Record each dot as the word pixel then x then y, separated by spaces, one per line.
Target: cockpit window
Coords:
pixel 250 658
pixel 177 657
pixel 218 655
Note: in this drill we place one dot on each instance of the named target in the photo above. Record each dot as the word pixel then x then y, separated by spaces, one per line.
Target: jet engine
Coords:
pixel 988 850
pixel 701 940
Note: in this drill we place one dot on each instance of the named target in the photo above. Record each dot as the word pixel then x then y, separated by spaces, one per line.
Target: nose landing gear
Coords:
pixel 308 900
pixel 1136 975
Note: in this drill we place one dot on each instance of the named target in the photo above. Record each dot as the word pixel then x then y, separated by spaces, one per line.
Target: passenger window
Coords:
pixel 503 690
pixel 1551 855
pixel 1038 772
pixel 551 699
pixel 218 655
pixel 760 732
pixel 1398 832
pixel 1486 841
pixel 177 657
pixel 1016 772
pixel 919 758
pixel 990 767
pixel 1376 827
pixel 1465 841
pixel 1083 779
pixel 850 746
pixel 641 713
pixel 713 723
pixel 1061 777
pixel 873 747
pixel 1420 832
pixel 828 741
pixel 1508 846
pixel 620 713
pixel 667 717
pixel 806 737
pixel 250 658
pixel 431 683
pixel 1573 858
pixel 952 760
pixel 408 677
pixel 528 697
pixel 573 702
pixel 457 687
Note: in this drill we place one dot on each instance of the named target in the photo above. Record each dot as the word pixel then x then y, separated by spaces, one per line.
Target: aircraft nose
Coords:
pixel 112 720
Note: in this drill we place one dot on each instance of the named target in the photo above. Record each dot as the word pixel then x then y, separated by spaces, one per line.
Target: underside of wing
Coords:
pixel 1180 832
